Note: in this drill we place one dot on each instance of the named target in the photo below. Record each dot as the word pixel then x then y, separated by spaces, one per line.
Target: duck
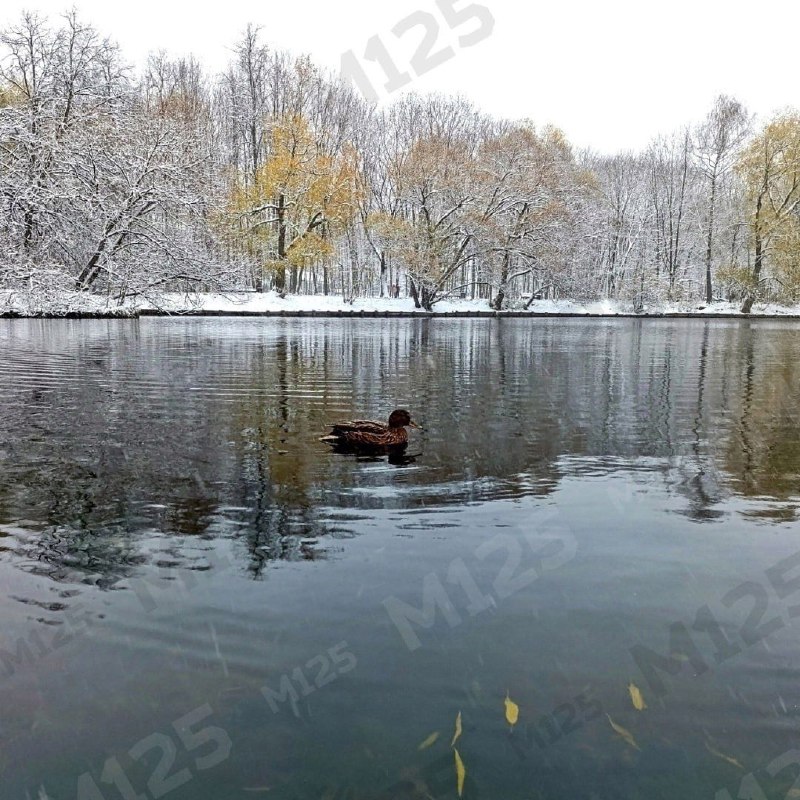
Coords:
pixel 367 433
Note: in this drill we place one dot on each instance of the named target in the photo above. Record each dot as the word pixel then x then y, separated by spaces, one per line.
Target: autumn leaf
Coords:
pixel 729 759
pixel 636 698
pixel 461 773
pixel 431 740
pixel 512 711
pixel 457 734
pixel 625 734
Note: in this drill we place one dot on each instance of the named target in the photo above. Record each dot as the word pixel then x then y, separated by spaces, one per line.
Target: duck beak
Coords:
pixel 413 424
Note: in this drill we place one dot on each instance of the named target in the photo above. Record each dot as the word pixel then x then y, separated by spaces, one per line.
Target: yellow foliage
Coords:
pixel 770 167
pixel 312 182
pixel 461 774
pixel 309 248
pixel 457 734
pixel 512 711
pixel 10 96
pixel 739 279
pixel 636 697
pixel 732 761
pixel 624 733
pixel 786 255
pixel 300 191
pixel 431 740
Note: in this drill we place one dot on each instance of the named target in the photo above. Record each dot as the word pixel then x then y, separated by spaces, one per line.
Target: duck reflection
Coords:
pixel 396 455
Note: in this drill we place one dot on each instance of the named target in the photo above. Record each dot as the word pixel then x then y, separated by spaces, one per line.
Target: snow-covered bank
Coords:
pixel 79 304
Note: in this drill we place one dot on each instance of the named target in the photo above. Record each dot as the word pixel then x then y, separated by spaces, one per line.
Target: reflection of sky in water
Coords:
pixel 163 497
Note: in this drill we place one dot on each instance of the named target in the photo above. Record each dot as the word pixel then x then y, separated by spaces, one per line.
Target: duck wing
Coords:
pixel 360 426
pixel 382 439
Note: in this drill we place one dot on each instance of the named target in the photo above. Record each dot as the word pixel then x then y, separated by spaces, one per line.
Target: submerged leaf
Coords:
pixel 429 741
pixel 636 697
pixel 461 773
pixel 457 734
pixel 729 759
pixel 625 734
pixel 512 711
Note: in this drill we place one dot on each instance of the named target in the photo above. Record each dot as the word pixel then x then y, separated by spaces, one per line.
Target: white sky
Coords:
pixel 612 74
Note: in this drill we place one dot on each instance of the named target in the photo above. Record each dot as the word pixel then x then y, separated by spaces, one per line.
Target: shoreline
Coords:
pixel 269 305
pixel 310 314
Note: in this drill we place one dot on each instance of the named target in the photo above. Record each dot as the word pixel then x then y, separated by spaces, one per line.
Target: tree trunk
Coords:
pixel 414 294
pixel 27 236
pixel 280 270
pixel 501 294
pixel 426 299
pixel 747 306
pixel 383 274
pixel 710 242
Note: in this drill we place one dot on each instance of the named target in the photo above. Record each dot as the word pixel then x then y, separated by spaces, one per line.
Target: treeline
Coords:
pixel 277 175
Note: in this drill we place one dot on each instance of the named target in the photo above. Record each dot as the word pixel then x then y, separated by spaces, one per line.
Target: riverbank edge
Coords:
pixel 301 314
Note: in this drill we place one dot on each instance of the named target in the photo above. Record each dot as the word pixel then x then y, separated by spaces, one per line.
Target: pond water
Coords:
pixel 201 601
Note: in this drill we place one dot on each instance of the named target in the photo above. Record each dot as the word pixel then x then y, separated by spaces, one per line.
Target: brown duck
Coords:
pixel 366 433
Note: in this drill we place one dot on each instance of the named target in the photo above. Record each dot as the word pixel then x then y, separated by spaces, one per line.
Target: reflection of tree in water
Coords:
pixel 275 480
pixel 763 451
pixel 699 481
pixel 299 381
pixel 91 461
pixel 186 430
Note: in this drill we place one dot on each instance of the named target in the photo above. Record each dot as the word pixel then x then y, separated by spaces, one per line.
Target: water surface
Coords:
pixel 199 600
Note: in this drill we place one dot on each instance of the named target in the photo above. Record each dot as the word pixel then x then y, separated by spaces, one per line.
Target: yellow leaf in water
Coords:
pixel 636 698
pixel 429 741
pixel 729 759
pixel 512 711
pixel 625 734
pixel 457 734
pixel 461 773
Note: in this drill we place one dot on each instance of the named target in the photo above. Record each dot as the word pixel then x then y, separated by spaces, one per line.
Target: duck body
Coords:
pixel 370 434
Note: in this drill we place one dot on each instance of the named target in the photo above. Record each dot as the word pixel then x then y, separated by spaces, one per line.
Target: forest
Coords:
pixel 277 175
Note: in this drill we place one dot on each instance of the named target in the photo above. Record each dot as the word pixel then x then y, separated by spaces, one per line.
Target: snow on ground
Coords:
pixel 76 303
pixel 270 302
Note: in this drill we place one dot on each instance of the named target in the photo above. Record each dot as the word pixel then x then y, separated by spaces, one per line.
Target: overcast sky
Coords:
pixel 611 74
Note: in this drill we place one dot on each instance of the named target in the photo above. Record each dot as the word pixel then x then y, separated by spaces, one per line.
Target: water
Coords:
pixel 200 601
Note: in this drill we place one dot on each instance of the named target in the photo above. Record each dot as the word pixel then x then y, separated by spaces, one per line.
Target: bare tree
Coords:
pixel 717 141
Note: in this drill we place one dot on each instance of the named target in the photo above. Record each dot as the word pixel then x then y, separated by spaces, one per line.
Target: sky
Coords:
pixel 612 75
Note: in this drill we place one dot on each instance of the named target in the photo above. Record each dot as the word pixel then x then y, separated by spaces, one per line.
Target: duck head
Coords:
pixel 401 419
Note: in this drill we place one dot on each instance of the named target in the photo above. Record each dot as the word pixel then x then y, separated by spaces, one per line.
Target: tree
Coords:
pixel 300 198
pixel 64 80
pixel 276 174
pixel 770 167
pixel 528 182
pixel 716 144
pixel 99 178
pixel 432 238
pixel 622 222
pixel 671 186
